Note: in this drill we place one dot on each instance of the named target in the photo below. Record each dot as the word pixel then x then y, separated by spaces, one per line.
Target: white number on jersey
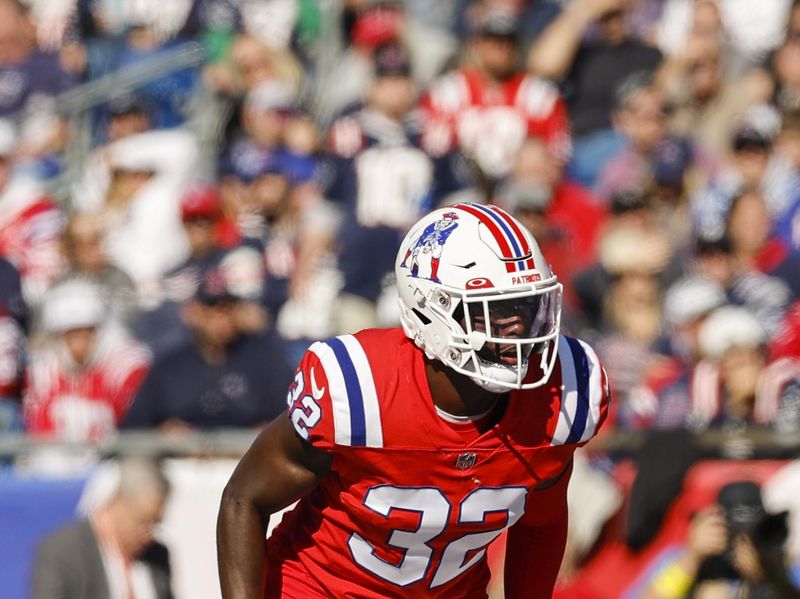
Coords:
pixel 434 510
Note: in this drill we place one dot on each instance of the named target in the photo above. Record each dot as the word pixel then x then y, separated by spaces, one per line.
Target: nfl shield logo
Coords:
pixel 465 461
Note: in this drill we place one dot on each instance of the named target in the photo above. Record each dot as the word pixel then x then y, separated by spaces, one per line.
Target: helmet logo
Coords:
pixel 479 283
pixel 429 245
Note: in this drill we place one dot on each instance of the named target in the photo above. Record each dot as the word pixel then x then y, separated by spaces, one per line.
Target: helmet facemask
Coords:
pixel 493 334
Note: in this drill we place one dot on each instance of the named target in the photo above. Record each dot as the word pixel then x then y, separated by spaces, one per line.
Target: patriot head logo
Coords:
pixel 430 244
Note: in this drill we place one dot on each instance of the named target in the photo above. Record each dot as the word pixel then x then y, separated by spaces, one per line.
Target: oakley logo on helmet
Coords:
pixel 479 283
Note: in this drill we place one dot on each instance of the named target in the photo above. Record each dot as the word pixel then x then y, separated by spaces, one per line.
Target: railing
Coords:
pixel 77 103
pixel 234 442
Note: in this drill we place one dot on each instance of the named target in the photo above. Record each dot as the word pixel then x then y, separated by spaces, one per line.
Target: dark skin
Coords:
pixel 280 468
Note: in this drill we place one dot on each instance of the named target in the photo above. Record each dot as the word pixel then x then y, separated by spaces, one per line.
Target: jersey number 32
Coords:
pixel 434 512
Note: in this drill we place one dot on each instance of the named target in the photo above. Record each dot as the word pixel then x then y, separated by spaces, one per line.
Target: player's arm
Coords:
pixel 278 469
pixel 536 543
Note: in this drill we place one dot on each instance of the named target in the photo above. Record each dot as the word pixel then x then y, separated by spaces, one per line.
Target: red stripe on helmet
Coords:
pixel 505 249
pixel 514 227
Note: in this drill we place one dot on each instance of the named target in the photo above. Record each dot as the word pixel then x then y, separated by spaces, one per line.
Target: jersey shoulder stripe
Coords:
pixel 584 390
pixel 356 411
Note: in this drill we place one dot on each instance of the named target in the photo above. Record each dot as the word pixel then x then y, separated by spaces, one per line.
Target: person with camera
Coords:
pixel 734 550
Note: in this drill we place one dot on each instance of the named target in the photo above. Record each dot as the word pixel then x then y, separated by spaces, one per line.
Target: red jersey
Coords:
pixel 410 503
pixel 83 404
pixel 489 121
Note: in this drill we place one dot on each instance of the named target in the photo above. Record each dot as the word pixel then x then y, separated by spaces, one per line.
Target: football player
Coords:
pixel 411 450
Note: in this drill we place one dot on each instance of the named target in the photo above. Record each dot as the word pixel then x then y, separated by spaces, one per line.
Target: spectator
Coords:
pixel 220 377
pixel 593 70
pixel 749 229
pixel 564 217
pixel 632 320
pixel 211 239
pixel 13 345
pixel 374 24
pixel 706 102
pixel 84 250
pixel 382 181
pixel 12 361
pixel 750 38
pixel 30 223
pixel 264 114
pixel 489 106
pixel 766 297
pixel 25 72
pixel 662 399
pixel 632 234
pixel 138 189
pixel 751 163
pixel 81 381
pixel 113 552
pixel 641 120
pixel 735 385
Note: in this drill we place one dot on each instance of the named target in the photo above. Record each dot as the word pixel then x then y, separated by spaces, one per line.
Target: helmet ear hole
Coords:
pixel 424 319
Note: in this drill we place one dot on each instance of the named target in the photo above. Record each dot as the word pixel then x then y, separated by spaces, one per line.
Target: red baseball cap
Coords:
pixel 200 202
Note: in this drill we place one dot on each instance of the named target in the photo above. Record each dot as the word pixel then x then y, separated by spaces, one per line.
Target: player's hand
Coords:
pixel 708 533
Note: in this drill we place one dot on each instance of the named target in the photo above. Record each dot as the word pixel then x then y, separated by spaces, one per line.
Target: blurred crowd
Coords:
pixel 174 234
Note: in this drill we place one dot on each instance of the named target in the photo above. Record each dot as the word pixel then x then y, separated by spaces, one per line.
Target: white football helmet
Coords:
pixel 477 294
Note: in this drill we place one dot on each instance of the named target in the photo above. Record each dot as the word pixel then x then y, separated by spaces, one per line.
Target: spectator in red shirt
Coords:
pixel 489 106
pixel 81 381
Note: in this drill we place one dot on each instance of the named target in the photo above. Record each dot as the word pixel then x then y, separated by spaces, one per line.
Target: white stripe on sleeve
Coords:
pixel 337 392
pixel 372 410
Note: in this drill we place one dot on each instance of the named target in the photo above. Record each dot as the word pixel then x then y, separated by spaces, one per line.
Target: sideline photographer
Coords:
pixel 734 550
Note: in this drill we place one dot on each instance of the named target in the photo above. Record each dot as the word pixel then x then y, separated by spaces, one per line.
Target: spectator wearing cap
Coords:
pixel 213 242
pixel 382 180
pixel 592 70
pixel 489 106
pixel 661 399
pixel 370 25
pixel 84 249
pixel 30 222
pixel 81 381
pixel 265 111
pixel 564 217
pixel 631 322
pixel 220 377
pixel 137 184
pixel 752 162
pixel 735 385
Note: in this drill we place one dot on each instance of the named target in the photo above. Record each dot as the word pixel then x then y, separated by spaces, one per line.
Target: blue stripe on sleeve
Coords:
pixel 358 428
pixel 582 381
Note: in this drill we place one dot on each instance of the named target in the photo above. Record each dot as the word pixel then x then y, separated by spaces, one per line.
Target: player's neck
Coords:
pixel 456 394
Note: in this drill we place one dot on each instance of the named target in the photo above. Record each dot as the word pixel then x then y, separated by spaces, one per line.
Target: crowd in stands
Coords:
pixel 172 241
